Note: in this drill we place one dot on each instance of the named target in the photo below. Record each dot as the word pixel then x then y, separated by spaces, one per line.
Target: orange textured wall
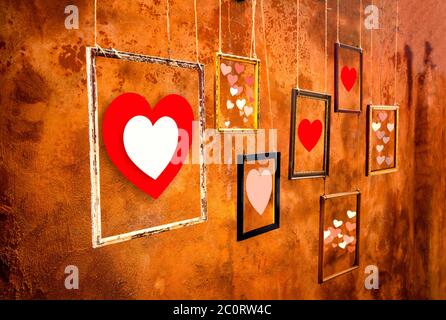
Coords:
pixel 44 165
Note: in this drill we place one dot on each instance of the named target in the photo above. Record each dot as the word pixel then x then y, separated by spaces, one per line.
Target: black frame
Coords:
pixel 338 47
pixel 295 93
pixel 241 159
pixel 323 200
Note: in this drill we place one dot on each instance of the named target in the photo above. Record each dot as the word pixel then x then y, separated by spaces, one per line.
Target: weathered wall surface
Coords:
pixel 44 164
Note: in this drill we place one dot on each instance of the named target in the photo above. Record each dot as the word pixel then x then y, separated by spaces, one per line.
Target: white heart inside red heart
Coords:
pixel 148 145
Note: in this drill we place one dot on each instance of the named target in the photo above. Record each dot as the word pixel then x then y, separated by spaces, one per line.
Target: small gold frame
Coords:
pixel 256 112
pixel 370 110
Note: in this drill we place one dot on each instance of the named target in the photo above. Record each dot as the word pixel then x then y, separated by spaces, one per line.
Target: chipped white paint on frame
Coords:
pixel 97 240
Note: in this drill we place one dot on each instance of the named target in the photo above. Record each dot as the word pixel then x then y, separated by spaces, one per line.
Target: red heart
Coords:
pixel 348 77
pixel 309 133
pixel 125 107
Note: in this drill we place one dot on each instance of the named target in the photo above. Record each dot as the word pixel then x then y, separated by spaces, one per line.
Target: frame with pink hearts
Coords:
pixel 241 159
pixel 323 200
pixel 337 104
pixel 370 132
pixel 295 95
pixel 256 92
pixel 91 54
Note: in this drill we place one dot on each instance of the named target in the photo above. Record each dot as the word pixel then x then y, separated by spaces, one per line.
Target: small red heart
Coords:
pixel 309 133
pixel 348 77
pixel 129 105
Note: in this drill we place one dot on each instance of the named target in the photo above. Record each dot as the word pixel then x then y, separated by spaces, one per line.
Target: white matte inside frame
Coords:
pixel 97 239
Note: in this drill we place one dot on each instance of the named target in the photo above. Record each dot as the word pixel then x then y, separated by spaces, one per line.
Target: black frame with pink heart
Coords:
pixel 338 47
pixel 241 159
pixel 295 94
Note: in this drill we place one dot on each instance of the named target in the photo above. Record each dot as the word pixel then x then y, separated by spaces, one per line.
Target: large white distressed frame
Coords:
pixel 97 239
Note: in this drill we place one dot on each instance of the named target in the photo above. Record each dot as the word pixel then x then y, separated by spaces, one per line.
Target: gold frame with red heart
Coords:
pixel 91 54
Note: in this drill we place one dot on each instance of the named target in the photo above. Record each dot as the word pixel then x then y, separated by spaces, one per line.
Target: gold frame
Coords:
pixel 256 63
pixel 370 109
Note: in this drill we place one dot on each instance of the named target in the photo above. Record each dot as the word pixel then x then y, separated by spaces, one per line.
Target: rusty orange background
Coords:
pixel 44 165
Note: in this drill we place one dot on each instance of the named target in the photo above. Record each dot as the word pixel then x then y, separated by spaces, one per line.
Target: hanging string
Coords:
pixel 337 21
pixel 253 34
pixel 396 48
pixel 326 68
pixel 196 29
pixel 371 64
pixel 168 27
pixel 95 24
pixel 358 118
pixel 326 46
pixel 95 32
pixel 381 63
pixel 229 24
pixel 360 23
pixel 297 41
pixel 219 26
pixel 266 63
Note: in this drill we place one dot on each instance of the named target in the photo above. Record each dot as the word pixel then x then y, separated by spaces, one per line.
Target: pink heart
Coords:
pixel 350 226
pixel 389 160
pixel 380 159
pixel 249 80
pixel 380 134
pixel 382 116
pixel 258 188
pixel 239 68
pixel 348 239
pixel 239 89
pixel 225 69
pixel 351 248
pixel 232 79
pixel 329 240
pixel 334 232
pixel 249 92
pixel 334 245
